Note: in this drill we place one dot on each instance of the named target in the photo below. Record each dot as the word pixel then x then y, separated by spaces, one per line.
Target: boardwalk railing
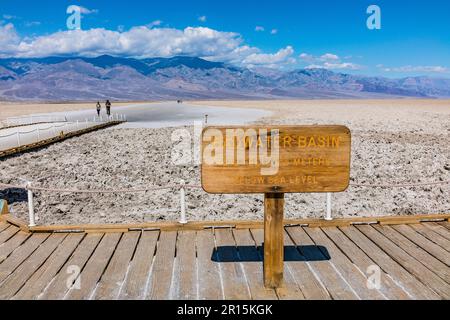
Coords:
pixel 33 119
pixel 55 129
pixel 182 187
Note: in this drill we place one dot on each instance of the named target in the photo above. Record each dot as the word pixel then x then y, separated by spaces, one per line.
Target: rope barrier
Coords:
pixel 403 185
pixel 9 135
pixel 93 191
pixel 139 190
pixel 27 132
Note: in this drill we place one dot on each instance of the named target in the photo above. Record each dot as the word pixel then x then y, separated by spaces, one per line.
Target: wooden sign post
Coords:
pixel 273 239
pixel 274 161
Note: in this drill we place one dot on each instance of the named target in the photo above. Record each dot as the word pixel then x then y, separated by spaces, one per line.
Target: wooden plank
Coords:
pixel 441 230
pixel 185 269
pixel 235 286
pixel 109 286
pixel 352 275
pixel 273 240
pixel 209 284
pixel 20 254
pixel 251 261
pixel 8 233
pixel 3 226
pixel 311 287
pixel 302 159
pixel 337 287
pixel 388 286
pixel 290 289
pixel 12 244
pixel 445 224
pixel 42 277
pixel 162 269
pixel 20 276
pixel 430 247
pixel 137 278
pixel 433 234
pixel 94 268
pixel 58 288
pixel 415 251
pixel 406 280
pixel 409 263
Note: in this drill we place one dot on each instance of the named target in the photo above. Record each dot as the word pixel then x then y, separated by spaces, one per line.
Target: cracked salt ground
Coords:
pixel 136 158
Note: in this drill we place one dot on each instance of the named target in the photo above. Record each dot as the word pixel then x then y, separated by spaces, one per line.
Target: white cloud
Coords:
pixel 335 66
pixel 143 42
pixel 283 56
pixel 87 11
pixel 155 23
pixel 327 61
pixel 9 39
pixel 274 31
pixel 202 19
pixel 32 23
pixel 406 69
pixel 9 17
pixel 329 57
pixel 259 29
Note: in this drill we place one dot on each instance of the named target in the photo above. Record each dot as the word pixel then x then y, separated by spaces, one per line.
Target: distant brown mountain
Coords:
pixel 79 78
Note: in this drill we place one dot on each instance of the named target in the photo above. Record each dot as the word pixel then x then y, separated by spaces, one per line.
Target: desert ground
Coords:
pixel 394 142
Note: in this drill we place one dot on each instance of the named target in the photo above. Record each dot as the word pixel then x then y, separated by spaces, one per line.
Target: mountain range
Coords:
pixel 107 77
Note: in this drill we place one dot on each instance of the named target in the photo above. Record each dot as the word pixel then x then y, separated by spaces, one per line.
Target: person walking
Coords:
pixel 99 108
pixel 108 108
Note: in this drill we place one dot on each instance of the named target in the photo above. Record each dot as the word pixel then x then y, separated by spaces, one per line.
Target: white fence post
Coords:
pixel 18 137
pixel 183 202
pixel 328 217
pixel 31 206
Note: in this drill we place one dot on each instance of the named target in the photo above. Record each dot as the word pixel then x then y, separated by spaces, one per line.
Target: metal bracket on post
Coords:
pixel 183 202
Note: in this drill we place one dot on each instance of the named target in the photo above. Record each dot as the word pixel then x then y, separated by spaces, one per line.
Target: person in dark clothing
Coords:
pixel 99 108
pixel 108 108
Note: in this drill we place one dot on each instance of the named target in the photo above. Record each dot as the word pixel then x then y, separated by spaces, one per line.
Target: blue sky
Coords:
pixel 414 38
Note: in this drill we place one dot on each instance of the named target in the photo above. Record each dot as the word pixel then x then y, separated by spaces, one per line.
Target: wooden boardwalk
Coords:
pixel 226 263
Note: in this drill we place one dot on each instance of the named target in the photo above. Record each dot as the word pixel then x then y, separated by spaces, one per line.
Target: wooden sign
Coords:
pixel 277 159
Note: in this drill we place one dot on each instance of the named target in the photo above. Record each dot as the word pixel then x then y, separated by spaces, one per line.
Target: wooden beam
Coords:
pixel 273 240
pixel 15 222
pixel 249 224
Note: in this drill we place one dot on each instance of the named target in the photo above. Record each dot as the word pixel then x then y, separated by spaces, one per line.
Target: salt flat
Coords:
pixel 394 141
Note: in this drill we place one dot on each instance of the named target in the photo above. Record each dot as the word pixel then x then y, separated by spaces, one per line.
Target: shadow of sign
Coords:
pixel 14 195
pixel 225 254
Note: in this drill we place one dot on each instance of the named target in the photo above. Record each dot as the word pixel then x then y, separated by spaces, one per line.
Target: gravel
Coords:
pixel 140 158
